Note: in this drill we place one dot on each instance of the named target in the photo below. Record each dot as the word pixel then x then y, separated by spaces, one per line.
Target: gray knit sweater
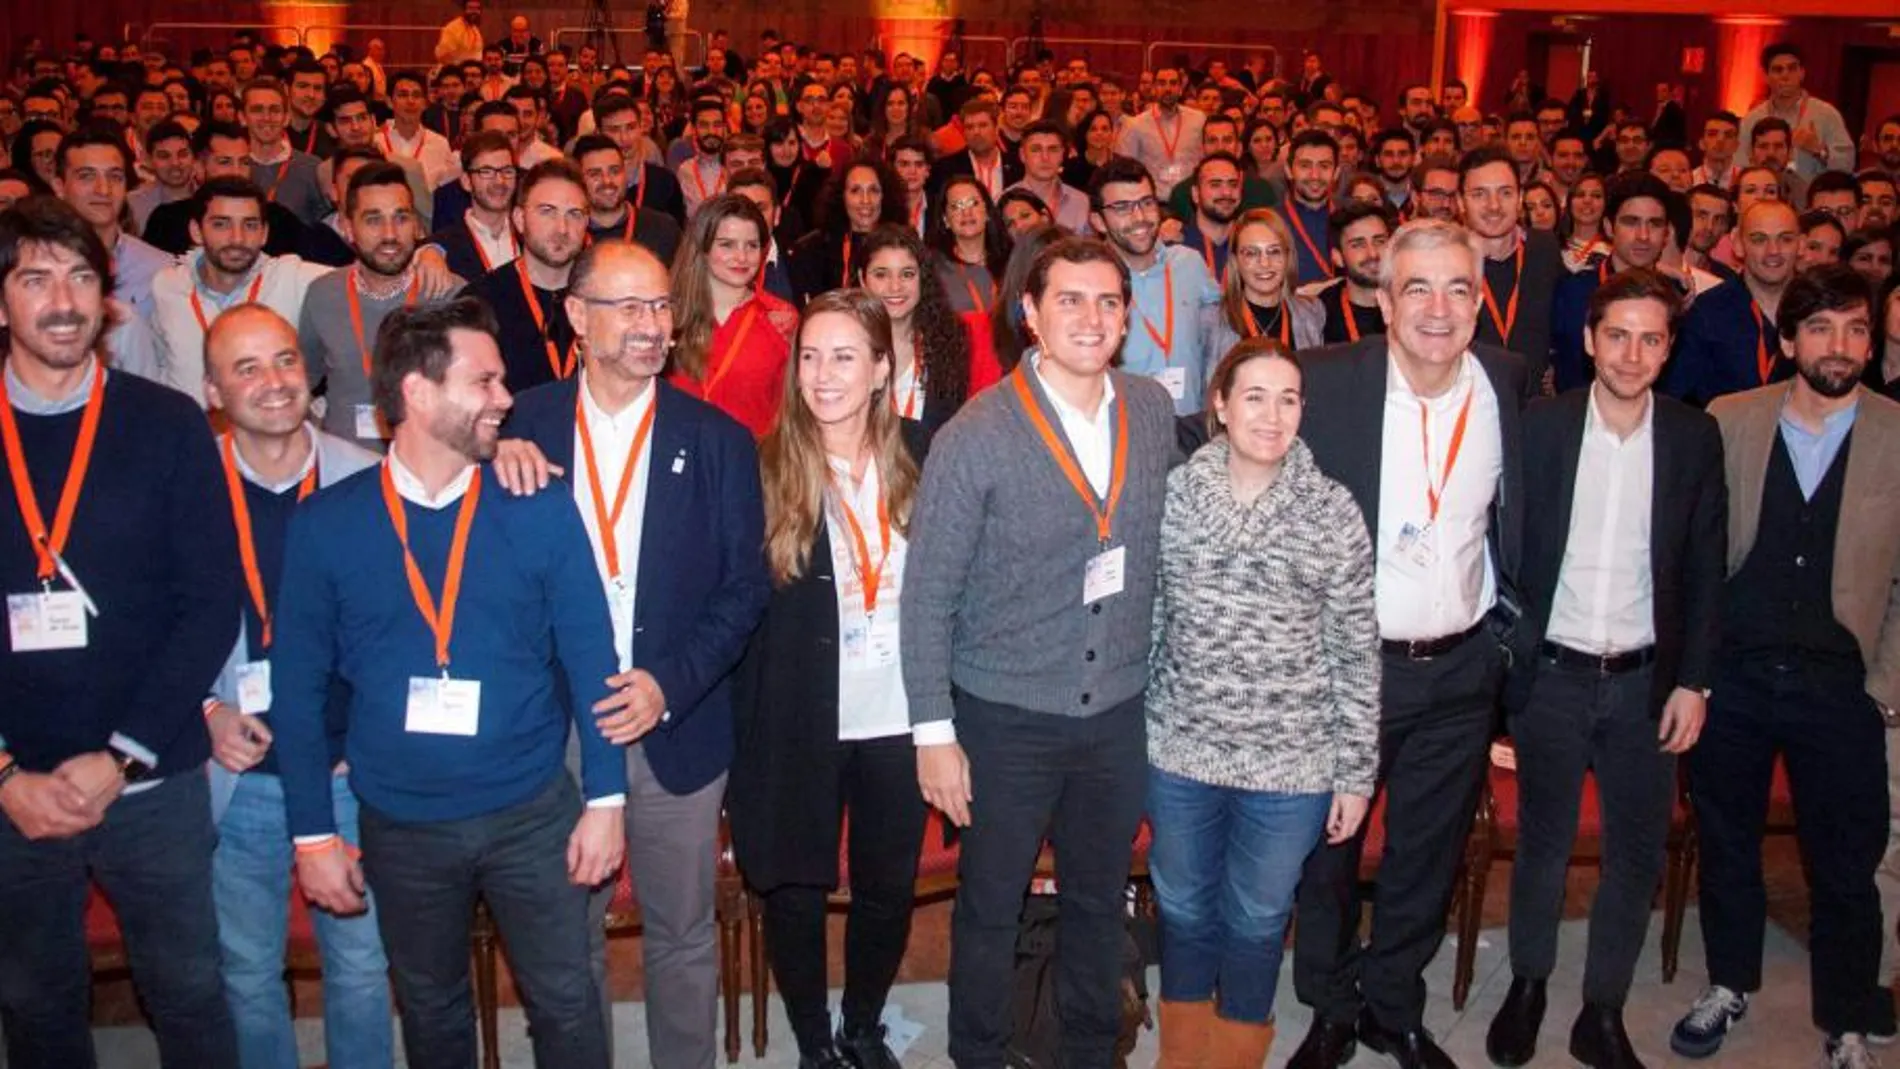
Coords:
pixel 999 544
pixel 1265 672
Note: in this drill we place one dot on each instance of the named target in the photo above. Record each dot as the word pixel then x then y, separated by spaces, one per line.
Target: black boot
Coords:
pixel 1512 1040
pixel 1413 1048
pixel 865 1048
pixel 827 1058
pixel 1599 1041
pixel 1328 1045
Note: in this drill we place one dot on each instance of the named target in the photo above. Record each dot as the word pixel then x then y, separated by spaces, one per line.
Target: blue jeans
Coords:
pixel 251 878
pixel 1225 863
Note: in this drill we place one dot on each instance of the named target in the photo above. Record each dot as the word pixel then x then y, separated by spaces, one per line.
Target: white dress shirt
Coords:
pixel 498 247
pixel 1435 578
pixel 1604 603
pixel 1088 434
pixel 871 700
pixel 428 148
pixel 613 451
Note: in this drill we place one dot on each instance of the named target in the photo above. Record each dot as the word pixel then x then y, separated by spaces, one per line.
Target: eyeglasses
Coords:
pixel 1130 207
pixel 964 204
pixel 631 307
pixel 487 174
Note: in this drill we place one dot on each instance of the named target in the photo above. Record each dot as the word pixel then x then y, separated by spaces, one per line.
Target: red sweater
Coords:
pixel 745 367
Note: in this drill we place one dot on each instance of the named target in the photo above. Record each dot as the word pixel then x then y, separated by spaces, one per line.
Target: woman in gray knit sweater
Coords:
pixel 1262 703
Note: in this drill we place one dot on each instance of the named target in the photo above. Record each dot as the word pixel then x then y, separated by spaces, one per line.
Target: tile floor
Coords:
pixel 1776 1035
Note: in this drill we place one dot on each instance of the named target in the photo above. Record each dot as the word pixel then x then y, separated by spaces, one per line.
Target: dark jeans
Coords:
pixel 877 780
pixel 152 856
pixel 1831 735
pixel 1081 781
pixel 426 878
pixel 1580 721
pixel 1434 734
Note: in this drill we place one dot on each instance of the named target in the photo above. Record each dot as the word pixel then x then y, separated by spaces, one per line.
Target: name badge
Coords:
pixel 368 426
pixel 1415 550
pixel 444 706
pixel 871 644
pixel 253 688
pixel 1103 577
pixel 46 620
pixel 1175 379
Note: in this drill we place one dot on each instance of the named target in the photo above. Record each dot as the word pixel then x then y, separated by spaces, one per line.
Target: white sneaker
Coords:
pixel 1848 1051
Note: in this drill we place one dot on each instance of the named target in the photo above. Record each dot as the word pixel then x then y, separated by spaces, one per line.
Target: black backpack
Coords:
pixel 1036 1036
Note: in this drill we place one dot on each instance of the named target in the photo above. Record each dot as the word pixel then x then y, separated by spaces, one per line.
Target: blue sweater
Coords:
pixel 532 620
pixel 153 544
pixel 1716 350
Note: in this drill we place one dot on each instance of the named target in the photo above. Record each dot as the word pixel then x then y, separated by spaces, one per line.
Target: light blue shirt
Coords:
pixel 1184 365
pixel 134 264
pixel 1812 454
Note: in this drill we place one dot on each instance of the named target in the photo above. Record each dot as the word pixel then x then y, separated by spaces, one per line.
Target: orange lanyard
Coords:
pixel 1508 320
pixel 1104 514
pixel 608 520
pixel 731 352
pixel 483 253
pixel 310 141
pixel 1603 271
pixel 1293 216
pixel 1436 494
pixel 49 547
pixel 198 308
pixel 1764 360
pixel 356 310
pixel 699 181
pixel 277 181
pixel 639 197
pixel 247 545
pixel 441 622
pixel 389 146
pixel 977 303
pixel 871 575
pixel 1164 340
pixel 908 409
pixel 1168 144
pixel 1346 313
pixel 1207 253
pixel 844 276
pixel 561 369
pixel 1286 323
pixel 986 175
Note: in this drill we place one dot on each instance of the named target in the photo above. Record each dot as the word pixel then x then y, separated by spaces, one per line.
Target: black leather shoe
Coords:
pixel 1328 1045
pixel 1512 1040
pixel 867 1049
pixel 1599 1041
pixel 829 1058
pixel 1412 1048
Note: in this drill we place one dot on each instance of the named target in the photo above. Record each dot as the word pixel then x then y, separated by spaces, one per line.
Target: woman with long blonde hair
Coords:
pixel 733 336
pixel 1259 297
pixel 823 724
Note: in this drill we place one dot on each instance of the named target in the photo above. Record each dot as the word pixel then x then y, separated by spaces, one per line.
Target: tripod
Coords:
pixel 599 33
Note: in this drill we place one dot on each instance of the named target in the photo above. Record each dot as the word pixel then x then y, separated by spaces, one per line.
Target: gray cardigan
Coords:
pixel 999 544
pixel 1266 652
pixel 1309 330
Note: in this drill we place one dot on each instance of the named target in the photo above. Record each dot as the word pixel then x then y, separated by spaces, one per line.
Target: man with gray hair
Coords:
pixel 1445 523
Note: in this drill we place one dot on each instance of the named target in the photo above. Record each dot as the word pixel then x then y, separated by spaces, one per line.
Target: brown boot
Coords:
pixel 1238 1045
pixel 1184 1034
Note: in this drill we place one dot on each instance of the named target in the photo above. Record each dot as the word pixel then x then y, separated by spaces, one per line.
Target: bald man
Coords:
pixel 273 459
pixel 683 567
pixel 1729 342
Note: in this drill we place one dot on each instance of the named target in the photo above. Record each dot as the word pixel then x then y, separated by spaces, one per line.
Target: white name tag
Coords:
pixel 253 688
pixel 1175 379
pixel 368 427
pixel 1415 550
pixel 43 621
pixel 444 706
pixel 871 644
pixel 1104 576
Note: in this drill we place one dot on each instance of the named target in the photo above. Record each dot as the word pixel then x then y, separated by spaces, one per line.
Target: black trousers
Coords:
pixel 1083 782
pixel 427 877
pixel 1832 737
pixel 1434 735
pixel 877 781
pixel 1580 721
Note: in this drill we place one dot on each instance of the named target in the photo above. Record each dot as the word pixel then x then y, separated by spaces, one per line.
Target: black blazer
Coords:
pixel 1688 536
pixel 702 579
pixel 783 797
pixel 960 163
pixel 458 248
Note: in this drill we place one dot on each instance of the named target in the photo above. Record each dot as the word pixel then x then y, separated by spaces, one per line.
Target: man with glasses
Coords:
pixel 1435 189
pixel 484 238
pixel 1632 146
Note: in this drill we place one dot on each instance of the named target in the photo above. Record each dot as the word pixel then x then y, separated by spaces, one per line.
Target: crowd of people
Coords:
pixel 816 436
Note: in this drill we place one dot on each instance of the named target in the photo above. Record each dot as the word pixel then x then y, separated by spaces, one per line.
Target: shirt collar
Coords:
pixel 22 398
pixel 1063 408
pixel 1834 425
pixel 251 476
pixel 410 487
pixel 1395 383
pixel 279 157
pixel 1593 422
pixel 196 257
pixel 627 417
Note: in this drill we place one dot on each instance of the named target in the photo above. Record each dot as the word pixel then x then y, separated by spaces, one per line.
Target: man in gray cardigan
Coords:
pixel 1027 605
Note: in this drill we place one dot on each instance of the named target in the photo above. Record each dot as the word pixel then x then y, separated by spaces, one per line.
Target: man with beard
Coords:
pixel 678 630
pixel 1044 148
pixel 273 459
pixel 1642 213
pixel 484 237
pixel 1216 195
pixel 1806 672
pixel 356 128
pixel 1312 167
pixel 119 616
pixel 1569 158
pixel 461 38
pixel 1172 300
pixel 1358 233
pixel 1166 138
pixel 461 702
pixel 1729 338
pixel 1521 268
pixel 1879 193
pixel 700 174
pixel 305 129
pixel 1220 133
pixel 1887 144
pixel 1415 107
pixel 550 215
pixel 344 309
pixel 649 185
pixel 1435 188
pixel 1393 154
pixel 609 215
pixel 287 176
pixel 1612 667
pixel 982 156
pixel 221 150
pixel 1711 213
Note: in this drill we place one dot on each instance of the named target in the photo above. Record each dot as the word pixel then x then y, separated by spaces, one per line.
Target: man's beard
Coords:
pixel 1830 376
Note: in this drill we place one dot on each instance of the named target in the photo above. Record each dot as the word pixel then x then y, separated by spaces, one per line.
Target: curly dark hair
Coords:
pixel 996 242
pixel 832 218
pixel 943 342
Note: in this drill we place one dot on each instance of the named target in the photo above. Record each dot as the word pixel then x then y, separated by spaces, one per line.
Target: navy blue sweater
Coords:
pixel 532 613
pixel 153 544
pixel 1716 349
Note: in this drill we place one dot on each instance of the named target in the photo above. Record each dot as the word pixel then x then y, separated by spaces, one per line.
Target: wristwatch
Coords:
pixel 132 769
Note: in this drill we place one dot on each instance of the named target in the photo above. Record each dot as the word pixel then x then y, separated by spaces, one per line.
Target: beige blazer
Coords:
pixel 1867 544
